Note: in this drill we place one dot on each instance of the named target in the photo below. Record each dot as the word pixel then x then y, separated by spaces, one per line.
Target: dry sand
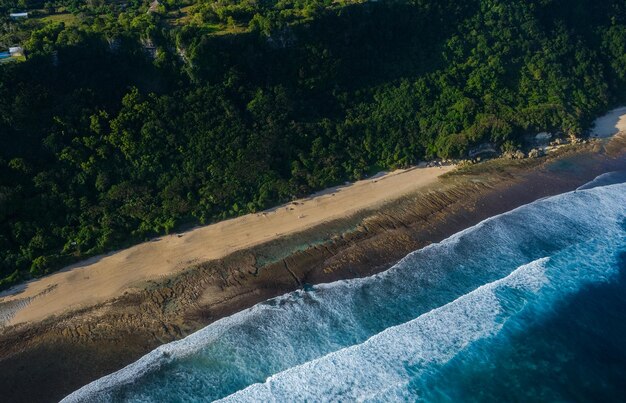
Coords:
pixel 102 278
pixel 45 361
pixel 610 124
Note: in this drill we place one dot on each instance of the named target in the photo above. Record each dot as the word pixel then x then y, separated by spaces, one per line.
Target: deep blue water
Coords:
pixel 526 306
pixel 576 353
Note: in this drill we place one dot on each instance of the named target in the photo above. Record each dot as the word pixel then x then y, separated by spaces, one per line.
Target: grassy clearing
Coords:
pixel 180 17
pixel 185 16
pixel 230 29
pixel 67 18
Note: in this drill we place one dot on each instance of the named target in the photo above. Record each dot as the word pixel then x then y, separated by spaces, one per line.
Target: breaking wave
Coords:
pixel 380 337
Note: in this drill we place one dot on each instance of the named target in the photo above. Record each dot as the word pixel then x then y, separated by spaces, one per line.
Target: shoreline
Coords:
pixel 61 354
pixel 105 277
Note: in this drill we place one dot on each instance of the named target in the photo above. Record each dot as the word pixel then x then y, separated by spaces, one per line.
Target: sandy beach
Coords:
pixel 61 353
pixel 105 277
pixel 610 124
pixel 67 329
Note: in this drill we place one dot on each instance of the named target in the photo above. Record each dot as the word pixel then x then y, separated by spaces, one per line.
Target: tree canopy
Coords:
pixel 123 124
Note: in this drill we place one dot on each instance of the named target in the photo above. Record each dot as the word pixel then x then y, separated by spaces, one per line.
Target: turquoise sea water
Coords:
pixel 526 306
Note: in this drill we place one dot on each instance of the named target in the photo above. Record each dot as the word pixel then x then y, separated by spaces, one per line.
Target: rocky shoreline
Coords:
pixel 48 360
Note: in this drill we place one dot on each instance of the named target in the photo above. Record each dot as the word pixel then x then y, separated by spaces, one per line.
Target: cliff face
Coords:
pixel 47 360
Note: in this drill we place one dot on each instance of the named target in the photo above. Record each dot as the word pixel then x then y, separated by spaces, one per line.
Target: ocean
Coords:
pixel 529 305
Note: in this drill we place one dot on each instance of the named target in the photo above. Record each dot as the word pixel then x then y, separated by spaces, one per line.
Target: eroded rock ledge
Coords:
pixel 47 360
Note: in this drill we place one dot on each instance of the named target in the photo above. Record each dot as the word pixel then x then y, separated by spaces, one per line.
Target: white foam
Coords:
pixel 381 363
pixel 393 364
pixel 302 326
pixel 608 178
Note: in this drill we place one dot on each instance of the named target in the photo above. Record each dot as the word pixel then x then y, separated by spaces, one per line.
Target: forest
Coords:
pixel 133 119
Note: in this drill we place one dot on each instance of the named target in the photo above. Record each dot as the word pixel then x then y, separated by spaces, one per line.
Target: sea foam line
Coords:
pixel 202 338
pixel 381 363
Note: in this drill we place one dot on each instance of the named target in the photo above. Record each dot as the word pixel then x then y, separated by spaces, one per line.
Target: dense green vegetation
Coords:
pixel 244 104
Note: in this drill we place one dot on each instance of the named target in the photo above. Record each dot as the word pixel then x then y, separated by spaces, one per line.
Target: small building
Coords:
pixel 16 51
pixel 18 16
pixel 12 54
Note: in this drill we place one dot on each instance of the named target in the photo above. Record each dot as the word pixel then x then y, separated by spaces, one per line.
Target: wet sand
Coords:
pixel 45 360
pixel 102 278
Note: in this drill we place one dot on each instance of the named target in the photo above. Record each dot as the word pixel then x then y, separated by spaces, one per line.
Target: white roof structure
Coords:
pixel 16 51
pixel 18 15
